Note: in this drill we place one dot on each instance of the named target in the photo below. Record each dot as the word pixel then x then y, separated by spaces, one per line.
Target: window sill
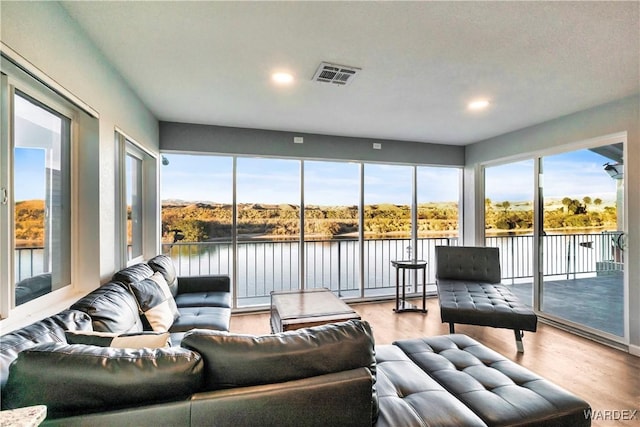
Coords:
pixel 38 309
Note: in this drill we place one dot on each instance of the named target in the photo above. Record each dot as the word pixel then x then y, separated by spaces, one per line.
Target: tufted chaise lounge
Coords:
pixel 469 291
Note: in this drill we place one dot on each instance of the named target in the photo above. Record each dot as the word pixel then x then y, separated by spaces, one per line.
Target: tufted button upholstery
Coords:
pixel 407 396
pixel 498 390
pixel 201 318
pixel 484 304
pixel 477 264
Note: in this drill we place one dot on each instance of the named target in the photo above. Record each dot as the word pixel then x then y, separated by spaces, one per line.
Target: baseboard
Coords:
pixel 634 350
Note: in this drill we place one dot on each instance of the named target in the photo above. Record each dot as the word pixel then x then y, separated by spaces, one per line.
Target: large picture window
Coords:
pixel 286 224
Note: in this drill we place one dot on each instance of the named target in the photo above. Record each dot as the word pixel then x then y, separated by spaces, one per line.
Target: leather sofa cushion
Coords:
pixel 498 390
pixel 216 318
pixel 204 299
pixel 474 264
pixel 50 329
pixel 112 308
pixel 410 397
pixel 164 265
pixel 233 360
pixel 133 273
pixel 483 304
pixel 76 379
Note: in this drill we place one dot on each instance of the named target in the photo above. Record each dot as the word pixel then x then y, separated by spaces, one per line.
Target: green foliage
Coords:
pixel 202 222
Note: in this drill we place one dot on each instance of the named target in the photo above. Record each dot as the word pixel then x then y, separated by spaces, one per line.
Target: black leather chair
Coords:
pixel 469 291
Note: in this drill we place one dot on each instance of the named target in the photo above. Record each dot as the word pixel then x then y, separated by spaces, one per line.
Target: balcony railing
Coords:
pixel 29 262
pixel 564 255
pixel 264 266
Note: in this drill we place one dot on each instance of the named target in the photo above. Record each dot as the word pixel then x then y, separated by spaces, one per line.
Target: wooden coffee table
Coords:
pixel 310 307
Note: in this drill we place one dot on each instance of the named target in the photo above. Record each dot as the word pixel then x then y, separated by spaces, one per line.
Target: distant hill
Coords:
pixel 29 219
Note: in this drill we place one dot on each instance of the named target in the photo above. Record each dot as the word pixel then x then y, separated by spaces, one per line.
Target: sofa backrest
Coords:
pixel 133 274
pixel 469 263
pixel 112 309
pixel 234 360
pixel 164 265
pixel 72 379
pixel 48 330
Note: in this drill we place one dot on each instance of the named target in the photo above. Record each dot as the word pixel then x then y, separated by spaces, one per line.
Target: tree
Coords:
pixel 566 202
pixel 586 200
pixel 576 208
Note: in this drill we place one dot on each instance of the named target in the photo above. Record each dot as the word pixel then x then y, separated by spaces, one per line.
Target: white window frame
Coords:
pixel 127 146
pixel 14 78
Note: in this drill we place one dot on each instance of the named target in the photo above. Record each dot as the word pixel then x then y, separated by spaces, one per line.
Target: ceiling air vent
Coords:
pixel 336 74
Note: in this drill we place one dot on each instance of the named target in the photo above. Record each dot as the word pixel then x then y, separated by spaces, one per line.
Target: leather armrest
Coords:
pixel 340 398
pixel 213 283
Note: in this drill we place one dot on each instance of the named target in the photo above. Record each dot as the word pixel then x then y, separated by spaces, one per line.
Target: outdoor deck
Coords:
pixel 596 302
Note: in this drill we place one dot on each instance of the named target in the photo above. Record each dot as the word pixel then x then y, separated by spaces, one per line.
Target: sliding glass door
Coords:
pixel 558 221
pixel 582 238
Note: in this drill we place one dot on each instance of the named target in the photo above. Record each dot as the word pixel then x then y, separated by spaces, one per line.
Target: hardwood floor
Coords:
pixel 607 378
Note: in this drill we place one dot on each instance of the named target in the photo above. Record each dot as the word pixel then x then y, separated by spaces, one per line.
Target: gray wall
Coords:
pixel 619 116
pixel 44 35
pixel 195 138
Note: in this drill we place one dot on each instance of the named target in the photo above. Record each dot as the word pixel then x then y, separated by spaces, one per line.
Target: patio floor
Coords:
pixel 597 302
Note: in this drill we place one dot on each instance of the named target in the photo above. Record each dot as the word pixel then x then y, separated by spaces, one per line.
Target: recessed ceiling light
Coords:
pixel 478 104
pixel 282 78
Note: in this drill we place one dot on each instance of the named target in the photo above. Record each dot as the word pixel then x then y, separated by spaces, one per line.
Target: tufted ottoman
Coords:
pixel 499 391
pixel 407 396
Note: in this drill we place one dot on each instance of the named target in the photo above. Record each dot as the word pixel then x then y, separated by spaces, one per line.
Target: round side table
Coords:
pixel 401 303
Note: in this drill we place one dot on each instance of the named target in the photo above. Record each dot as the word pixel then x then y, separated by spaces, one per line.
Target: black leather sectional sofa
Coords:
pixel 327 375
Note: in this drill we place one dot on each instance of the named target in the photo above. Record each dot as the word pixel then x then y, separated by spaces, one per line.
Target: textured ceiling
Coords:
pixel 210 62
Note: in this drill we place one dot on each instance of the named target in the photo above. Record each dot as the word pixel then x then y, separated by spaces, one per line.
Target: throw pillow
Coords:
pixel 108 339
pixel 155 302
pixel 164 265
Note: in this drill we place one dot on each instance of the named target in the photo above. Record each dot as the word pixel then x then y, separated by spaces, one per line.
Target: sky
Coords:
pixel 262 180
pixel 29 174
pixel 273 181
pixel 37 140
pixel 575 174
